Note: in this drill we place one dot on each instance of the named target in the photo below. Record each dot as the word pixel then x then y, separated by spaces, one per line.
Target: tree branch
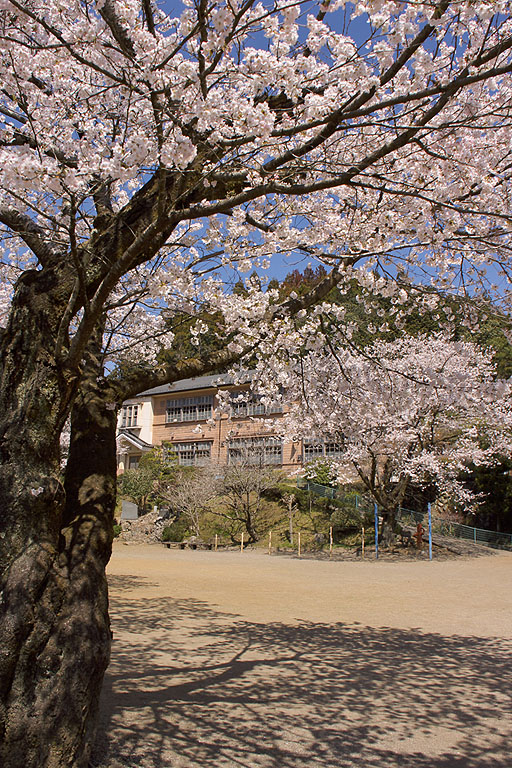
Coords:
pixel 119 32
pixel 32 235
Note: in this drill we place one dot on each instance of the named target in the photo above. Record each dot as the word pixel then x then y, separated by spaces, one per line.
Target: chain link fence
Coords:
pixel 409 517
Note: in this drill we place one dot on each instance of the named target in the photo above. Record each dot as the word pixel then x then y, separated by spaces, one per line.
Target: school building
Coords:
pixel 187 415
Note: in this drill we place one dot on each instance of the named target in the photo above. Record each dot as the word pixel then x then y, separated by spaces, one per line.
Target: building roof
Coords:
pixel 200 382
pixel 134 439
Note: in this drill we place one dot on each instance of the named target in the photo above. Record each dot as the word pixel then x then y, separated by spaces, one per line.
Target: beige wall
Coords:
pixel 144 426
pixel 219 432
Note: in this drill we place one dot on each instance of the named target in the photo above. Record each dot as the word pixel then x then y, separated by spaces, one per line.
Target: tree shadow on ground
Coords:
pixel 189 686
pixel 126 583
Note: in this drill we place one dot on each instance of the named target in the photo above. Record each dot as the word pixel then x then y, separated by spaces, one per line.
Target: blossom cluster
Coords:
pixel 416 409
pixel 378 146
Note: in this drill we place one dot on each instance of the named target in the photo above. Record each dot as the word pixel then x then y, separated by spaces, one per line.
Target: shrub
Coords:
pixel 167 534
pixel 117 530
pixel 176 531
pixel 279 491
pixel 322 472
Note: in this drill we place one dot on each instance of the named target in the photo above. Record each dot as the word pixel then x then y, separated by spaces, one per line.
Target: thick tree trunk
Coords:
pixel 54 632
pixel 31 497
pixel 389 495
pixel 388 529
pixel 90 485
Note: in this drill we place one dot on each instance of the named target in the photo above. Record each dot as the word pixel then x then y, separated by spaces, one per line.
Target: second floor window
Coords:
pixel 189 409
pixel 249 404
pixel 129 415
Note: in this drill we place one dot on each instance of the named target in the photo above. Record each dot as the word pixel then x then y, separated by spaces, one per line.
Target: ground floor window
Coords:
pixel 255 450
pixel 195 454
pixel 312 451
pixel 133 462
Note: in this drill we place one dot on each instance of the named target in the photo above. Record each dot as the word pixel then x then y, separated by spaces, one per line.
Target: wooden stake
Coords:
pixel 299 544
pixel 216 541
pixel 330 541
pixel 242 543
pixel 362 543
pixel 291 499
pixel 270 542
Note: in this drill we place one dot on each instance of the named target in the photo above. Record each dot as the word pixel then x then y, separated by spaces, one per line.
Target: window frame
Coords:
pixel 182 410
pixel 271 451
pixel 134 461
pixel 320 449
pixel 244 404
pixel 129 416
pixel 196 449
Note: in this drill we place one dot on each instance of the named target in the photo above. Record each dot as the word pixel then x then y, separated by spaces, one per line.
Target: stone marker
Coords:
pixel 129 511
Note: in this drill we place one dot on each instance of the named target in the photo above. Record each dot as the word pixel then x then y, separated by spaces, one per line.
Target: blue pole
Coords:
pixel 429 532
pixel 376 531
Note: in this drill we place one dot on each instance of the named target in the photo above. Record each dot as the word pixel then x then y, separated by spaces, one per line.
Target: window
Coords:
pixel 315 449
pixel 256 450
pixel 189 409
pixel 133 462
pixel 333 450
pixel 312 450
pixel 129 416
pixel 249 404
pixel 192 454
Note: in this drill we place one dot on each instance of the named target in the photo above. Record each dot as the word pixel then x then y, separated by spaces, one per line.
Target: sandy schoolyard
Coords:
pixel 244 660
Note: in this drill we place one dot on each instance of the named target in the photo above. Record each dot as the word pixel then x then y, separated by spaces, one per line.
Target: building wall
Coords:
pixel 220 432
pixel 128 455
pixel 143 427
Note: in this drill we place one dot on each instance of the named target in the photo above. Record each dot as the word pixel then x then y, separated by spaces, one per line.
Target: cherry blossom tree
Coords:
pixel 146 160
pixel 415 410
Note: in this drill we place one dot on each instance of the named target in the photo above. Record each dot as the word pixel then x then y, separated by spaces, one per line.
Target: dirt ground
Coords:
pixel 231 660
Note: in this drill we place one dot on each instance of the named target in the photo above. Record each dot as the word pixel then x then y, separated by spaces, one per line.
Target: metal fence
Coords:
pixel 495 539
pixel 441 526
pixel 318 490
pixel 410 516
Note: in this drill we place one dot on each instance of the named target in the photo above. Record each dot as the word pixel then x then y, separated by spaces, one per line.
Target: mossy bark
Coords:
pixel 55 540
pixel 389 528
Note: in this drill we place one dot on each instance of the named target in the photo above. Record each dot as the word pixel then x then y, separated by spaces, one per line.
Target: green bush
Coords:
pixel 167 534
pixel 117 530
pixel 279 491
pixel 321 472
pixel 176 531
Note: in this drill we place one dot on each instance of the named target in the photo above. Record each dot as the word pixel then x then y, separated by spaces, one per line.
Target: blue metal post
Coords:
pixel 376 531
pixel 429 532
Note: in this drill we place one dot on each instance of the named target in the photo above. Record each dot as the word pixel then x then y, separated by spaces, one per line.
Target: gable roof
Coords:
pixel 134 439
pixel 200 382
